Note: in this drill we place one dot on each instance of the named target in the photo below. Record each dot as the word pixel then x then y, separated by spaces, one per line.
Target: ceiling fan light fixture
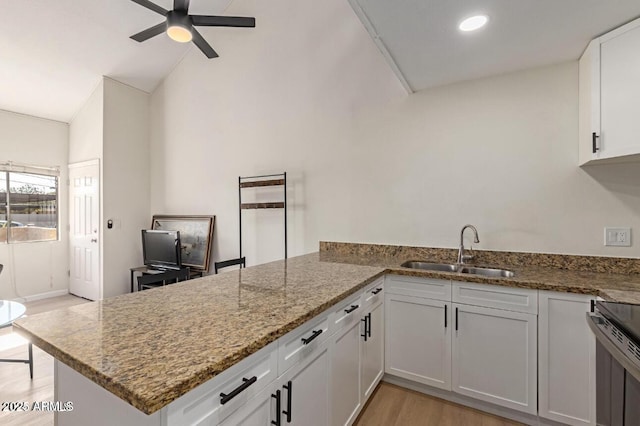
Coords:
pixel 473 23
pixel 179 27
pixel 179 34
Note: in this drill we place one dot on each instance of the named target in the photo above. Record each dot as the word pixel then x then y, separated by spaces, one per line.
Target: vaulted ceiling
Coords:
pixel 54 53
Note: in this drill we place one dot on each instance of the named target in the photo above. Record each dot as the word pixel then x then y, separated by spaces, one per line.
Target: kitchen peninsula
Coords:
pixel 155 349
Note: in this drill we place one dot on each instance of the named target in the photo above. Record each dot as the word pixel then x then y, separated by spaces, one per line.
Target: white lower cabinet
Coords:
pixel 566 359
pixel 305 390
pixel 418 339
pixel 485 352
pixel 345 369
pixel 495 356
pixel 372 351
pixel 299 397
pixel 357 359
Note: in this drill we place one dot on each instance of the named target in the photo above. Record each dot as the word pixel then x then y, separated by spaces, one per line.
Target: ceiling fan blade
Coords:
pixel 150 32
pixel 152 6
pixel 202 44
pixel 223 21
pixel 181 5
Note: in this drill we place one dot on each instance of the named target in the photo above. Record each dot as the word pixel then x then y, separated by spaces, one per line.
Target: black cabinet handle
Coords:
pixel 364 320
pixel 445 316
pixel 376 291
pixel 289 388
pixel 593 141
pixel 226 397
pixel 276 422
pixel 309 339
pixel 369 322
pixel 351 309
pixel 593 305
pixel 456 319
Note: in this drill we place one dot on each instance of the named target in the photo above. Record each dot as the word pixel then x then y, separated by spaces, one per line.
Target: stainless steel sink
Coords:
pixel 462 269
pixel 428 266
pixel 487 272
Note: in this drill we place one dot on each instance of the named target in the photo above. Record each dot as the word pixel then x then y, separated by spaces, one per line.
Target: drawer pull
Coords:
pixel 369 322
pixel 289 388
pixel 226 397
pixel 276 422
pixel 351 309
pixel 376 291
pixel 309 339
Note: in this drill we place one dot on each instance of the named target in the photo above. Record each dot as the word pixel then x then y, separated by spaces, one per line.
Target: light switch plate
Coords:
pixel 620 237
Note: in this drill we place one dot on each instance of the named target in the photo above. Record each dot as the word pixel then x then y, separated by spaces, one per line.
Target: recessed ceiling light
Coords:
pixel 473 23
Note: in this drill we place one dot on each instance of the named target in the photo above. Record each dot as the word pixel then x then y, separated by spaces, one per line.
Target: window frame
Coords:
pixel 10 167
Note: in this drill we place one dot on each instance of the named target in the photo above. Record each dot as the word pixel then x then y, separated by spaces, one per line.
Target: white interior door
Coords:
pixel 84 230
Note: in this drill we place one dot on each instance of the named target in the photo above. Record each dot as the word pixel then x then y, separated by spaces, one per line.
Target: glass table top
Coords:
pixel 10 311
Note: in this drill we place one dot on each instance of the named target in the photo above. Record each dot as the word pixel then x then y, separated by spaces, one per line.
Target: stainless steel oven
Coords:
pixel 617 330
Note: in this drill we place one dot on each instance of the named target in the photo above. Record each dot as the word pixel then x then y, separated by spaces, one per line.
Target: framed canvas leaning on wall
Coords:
pixel 196 237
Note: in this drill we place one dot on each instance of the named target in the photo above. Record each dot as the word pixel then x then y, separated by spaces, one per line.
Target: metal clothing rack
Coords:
pixel 260 182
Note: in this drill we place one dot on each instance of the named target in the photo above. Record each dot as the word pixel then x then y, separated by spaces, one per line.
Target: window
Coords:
pixel 28 203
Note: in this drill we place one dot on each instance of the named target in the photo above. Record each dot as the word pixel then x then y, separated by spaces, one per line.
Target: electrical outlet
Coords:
pixel 620 237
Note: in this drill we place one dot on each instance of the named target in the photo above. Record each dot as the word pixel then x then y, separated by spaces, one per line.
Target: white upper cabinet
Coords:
pixel 610 97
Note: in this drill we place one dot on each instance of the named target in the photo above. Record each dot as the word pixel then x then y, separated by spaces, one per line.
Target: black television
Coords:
pixel 161 249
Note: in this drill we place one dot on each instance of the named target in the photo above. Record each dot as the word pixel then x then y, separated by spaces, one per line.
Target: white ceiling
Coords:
pixel 54 52
pixel 424 44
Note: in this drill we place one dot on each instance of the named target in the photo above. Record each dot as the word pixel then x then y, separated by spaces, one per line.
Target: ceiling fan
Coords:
pixel 179 25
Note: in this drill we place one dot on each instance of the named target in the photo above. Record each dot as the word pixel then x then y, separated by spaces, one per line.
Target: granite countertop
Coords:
pixel 150 348
pixel 614 287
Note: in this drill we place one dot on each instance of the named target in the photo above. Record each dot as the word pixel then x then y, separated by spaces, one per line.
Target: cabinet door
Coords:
pixel 345 370
pixel 418 339
pixel 567 359
pixel 610 96
pixel 494 356
pixel 620 91
pixel 372 366
pixel 305 390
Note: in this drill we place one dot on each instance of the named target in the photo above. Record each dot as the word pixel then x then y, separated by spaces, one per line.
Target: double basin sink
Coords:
pixel 460 269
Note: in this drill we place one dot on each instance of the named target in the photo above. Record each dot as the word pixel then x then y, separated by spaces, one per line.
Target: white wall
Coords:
pixel 86 128
pixel 308 92
pixel 113 126
pixel 126 182
pixel 32 269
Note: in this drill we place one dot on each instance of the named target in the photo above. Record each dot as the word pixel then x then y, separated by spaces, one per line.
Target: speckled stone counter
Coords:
pixel 570 274
pixel 150 348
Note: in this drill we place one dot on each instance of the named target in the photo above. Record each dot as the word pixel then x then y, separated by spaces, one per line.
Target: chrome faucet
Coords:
pixel 461 256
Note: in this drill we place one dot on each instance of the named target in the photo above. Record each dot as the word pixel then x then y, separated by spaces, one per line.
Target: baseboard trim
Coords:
pixel 507 413
pixel 47 295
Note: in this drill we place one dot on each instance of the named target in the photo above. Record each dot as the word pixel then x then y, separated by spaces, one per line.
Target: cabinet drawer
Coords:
pixel 373 293
pixel 346 313
pixel 429 288
pixel 203 405
pixel 292 348
pixel 498 297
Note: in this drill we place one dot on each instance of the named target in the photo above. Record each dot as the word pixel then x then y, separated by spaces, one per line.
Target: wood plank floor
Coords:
pixel 15 384
pixel 392 405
